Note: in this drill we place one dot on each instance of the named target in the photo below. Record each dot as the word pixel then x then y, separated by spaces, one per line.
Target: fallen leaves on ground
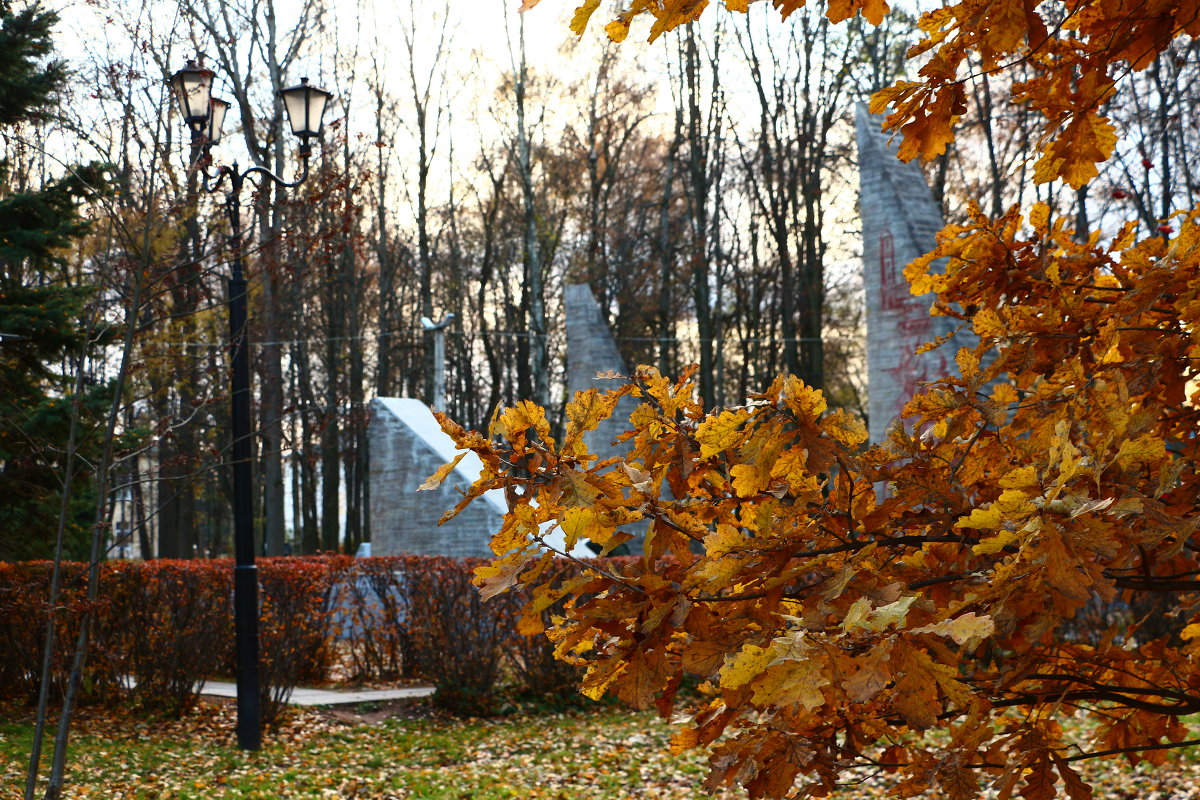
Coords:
pixel 403 751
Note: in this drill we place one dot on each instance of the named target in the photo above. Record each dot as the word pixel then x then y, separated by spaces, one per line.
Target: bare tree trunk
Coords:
pixel 697 165
pixel 666 254
pixel 534 294
pixel 58 762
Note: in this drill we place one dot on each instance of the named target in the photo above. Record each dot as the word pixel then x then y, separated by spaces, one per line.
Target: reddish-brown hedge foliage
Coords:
pixel 294 625
pixel 455 639
pixel 162 627
pixel 24 596
pixel 166 625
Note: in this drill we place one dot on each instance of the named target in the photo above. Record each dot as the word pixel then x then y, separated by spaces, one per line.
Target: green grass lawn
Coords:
pixel 605 753
pixel 600 753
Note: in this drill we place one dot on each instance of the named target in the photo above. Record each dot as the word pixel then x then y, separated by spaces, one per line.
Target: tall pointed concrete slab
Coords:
pixel 900 221
pixel 591 350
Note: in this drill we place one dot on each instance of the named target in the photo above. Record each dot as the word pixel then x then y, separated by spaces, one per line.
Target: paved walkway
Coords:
pixel 322 697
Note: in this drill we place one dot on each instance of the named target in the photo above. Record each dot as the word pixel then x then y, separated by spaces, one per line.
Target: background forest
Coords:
pixel 704 187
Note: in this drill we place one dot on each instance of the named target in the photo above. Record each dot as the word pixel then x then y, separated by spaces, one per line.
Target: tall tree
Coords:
pixel 533 292
pixel 799 77
pixel 45 335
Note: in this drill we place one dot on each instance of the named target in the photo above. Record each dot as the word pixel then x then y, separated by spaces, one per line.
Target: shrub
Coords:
pixel 370 609
pixel 167 625
pixel 453 638
pixel 24 598
pixel 294 626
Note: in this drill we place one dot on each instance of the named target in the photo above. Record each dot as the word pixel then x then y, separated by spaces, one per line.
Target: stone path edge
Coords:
pixel 324 697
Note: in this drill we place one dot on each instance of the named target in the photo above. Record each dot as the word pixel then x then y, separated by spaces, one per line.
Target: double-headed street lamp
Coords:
pixel 204 116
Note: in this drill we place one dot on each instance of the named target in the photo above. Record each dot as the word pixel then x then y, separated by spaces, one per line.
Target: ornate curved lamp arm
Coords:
pixel 275 178
pixel 213 182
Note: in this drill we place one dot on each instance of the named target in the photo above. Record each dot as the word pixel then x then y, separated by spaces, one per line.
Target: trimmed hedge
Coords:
pixel 165 625
pixel 162 627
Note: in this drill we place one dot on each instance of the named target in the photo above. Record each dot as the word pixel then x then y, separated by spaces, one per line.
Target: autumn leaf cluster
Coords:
pixel 1076 50
pixel 1022 546
pixel 840 600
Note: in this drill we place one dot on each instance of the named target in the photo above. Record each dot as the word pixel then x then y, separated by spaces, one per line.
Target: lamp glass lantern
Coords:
pixel 193 91
pixel 305 106
pixel 216 119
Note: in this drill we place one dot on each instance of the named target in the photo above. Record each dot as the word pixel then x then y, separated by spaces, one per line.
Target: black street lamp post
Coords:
pixel 204 115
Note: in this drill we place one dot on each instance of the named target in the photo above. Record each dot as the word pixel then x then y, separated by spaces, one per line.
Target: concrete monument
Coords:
pixel 591 350
pixel 900 221
pixel 407 446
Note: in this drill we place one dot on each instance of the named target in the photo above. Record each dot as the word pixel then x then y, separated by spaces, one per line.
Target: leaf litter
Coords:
pixel 407 750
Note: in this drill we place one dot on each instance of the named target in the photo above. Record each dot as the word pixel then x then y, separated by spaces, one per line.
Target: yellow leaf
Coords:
pixel 1039 216
pixel 845 428
pixel 987 323
pixel 530 625
pixel 577 490
pixel 962 628
pixel 856 614
pixel 874 11
pixel 747 665
pixel 879 619
pixel 587 409
pixel 716 434
pixel 968 363
pixel 494 578
pixel 994 544
pixel 436 479
pixel 792 466
pixel 582 14
pixel 600 676
pixel 1146 449
pixel 520 419
pixel 791 682
pixel 617 30
pixel 1084 142
pixel 1013 505
pixel 514 532
pixel 580 523
pixel 988 518
pixel 1020 478
pixel 725 539
pixel 805 402
pixel 684 739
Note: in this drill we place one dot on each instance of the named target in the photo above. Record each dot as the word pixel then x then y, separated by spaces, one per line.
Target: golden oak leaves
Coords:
pixel 670 14
pixel 925 116
pixel 1071 81
pixel 1073 54
pixel 873 11
pixel 1086 141
pixel 584 413
pixel 1055 470
pixel 719 433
